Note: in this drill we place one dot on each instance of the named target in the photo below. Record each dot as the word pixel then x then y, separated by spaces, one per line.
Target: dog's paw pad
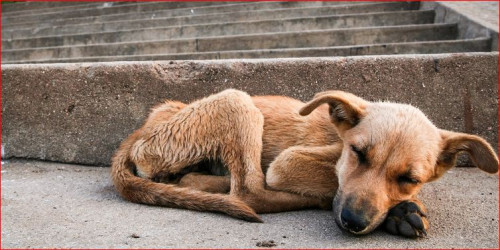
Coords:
pixel 406 219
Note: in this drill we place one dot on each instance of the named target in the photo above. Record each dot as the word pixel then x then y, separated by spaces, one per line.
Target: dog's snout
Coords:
pixel 352 221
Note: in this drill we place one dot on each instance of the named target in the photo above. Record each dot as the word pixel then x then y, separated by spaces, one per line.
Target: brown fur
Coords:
pixel 281 154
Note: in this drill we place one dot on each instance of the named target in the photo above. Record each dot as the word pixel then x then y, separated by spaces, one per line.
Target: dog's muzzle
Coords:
pixel 352 222
pixel 356 220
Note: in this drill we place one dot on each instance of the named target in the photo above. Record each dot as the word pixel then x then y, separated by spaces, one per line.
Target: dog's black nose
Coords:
pixel 352 221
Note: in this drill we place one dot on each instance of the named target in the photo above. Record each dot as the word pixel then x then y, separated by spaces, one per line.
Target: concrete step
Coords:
pixel 31 9
pixel 160 19
pixel 24 7
pixel 321 38
pixel 151 9
pixel 224 29
pixel 60 7
pixel 120 9
pixel 429 47
pixel 79 113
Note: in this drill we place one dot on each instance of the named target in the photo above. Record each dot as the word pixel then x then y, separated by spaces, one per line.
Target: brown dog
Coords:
pixel 372 157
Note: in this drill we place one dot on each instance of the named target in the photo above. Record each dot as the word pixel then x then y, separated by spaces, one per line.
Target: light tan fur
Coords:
pixel 237 154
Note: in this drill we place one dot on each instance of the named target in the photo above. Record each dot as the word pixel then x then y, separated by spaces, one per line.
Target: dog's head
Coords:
pixel 390 150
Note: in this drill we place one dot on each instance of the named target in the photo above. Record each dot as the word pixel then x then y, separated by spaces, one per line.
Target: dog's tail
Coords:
pixel 140 190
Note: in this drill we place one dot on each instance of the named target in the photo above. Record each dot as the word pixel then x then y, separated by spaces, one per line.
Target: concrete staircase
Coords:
pixel 132 31
pixel 58 104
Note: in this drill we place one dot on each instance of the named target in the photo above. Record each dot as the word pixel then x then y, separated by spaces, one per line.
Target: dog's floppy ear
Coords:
pixel 480 152
pixel 346 109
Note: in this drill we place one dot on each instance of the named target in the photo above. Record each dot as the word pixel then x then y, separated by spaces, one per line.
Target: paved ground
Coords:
pixel 484 13
pixel 68 206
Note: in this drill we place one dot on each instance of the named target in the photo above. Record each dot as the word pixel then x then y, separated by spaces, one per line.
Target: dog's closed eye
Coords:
pixel 360 154
pixel 406 179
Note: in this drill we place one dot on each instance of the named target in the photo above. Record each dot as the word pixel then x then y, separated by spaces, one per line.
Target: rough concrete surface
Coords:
pixel 80 113
pixel 48 205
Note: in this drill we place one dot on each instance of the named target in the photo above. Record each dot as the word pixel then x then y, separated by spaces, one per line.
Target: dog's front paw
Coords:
pixel 406 219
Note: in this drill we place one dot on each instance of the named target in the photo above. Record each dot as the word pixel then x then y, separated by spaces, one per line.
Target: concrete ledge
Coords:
pixel 79 113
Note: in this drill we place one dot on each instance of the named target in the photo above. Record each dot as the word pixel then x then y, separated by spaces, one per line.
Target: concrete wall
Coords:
pixel 79 113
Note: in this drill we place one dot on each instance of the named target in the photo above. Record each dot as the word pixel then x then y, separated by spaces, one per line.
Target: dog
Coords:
pixel 242 155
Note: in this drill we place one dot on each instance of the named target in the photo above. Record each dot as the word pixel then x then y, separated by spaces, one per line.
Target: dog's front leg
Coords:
pixel 304 170
pixel 407 219
pixel 307 171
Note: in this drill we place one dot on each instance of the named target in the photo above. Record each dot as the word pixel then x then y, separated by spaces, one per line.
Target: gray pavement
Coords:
pixel 51 205
pixel 484 13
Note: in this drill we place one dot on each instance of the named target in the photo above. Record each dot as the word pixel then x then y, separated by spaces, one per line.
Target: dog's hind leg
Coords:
pixel 205 182
pixel 226 126
pixel 168 146
pixel 241 152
